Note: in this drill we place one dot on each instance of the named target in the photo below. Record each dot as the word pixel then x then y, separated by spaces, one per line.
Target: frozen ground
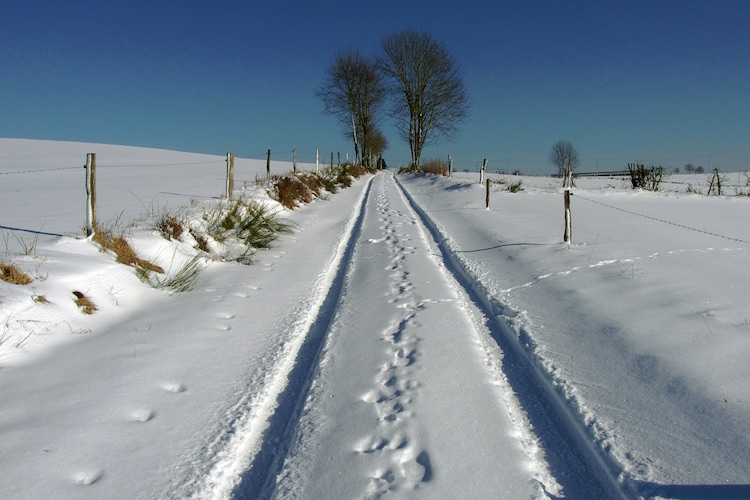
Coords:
pixel 403 341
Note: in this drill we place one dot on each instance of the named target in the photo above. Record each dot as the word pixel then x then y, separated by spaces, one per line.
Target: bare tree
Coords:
pixel 565 157
pixel 429 97
pixel 353 91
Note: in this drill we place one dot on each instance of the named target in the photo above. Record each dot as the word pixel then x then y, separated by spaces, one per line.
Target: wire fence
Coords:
pixel 661 220
pixel 33 198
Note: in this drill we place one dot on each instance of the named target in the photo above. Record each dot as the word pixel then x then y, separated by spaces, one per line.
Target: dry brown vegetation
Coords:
pixel 125 253
pixel 170 226
pixel 12 274
pixel 434 167
pixel 84 303
pixel 293 189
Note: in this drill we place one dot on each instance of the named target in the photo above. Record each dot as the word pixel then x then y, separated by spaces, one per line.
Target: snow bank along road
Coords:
pixel 401 386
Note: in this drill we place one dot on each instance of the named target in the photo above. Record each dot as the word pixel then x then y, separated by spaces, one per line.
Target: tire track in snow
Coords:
pixel 247 460
pixel 574 460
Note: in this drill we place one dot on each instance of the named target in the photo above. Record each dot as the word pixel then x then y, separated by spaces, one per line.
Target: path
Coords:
pixel 408 398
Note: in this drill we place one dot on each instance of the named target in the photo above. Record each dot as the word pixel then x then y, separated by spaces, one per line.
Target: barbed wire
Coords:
pixel 739 240
pixel 38 170
pixel 162 164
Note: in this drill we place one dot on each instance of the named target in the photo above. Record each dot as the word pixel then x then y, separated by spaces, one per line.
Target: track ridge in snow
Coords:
pixel 577 464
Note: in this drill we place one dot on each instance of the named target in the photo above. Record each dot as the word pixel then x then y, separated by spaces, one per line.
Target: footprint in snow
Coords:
pixel 371 444
pixel 142 414
pixel 417 469
pixel 174 387
pixel 88 477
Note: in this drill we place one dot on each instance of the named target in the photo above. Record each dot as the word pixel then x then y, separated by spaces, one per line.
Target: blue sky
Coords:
pixel 664 82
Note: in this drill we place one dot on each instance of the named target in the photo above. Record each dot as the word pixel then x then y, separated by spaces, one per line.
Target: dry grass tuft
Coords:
pixel 12 274
pixel 434 167
pixel 125 253
pixel 41 299
pixel 170 226
pixel 84 303
pixel 201 242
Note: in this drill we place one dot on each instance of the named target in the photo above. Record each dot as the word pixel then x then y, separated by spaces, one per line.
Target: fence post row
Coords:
pixel 230 176
pixel 90 194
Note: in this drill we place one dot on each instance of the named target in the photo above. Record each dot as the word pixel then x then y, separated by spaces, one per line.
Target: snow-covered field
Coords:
pixel 402 341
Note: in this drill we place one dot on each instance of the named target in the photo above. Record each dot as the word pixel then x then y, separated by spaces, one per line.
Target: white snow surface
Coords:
pixel 404 341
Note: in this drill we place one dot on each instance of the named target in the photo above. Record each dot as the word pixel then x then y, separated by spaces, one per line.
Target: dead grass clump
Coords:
pixel 434 167
pixel 201 242
pixel 313 182
pixel 125 253
pixel 170 226
pixel 12 274
pixel 290 190
pixel 41 299
pixel 84 303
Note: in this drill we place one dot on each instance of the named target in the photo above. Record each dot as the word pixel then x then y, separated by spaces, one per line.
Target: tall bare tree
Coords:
pixel 427 90
pixel 565 157
pixel 353 91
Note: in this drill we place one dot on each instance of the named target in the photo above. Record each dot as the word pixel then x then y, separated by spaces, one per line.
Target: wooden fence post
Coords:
pixel 294 161
pixel 317 161
pixel 339 159
pixel 90 194
pixel 450 166
pixel 230 176
pixel 481 172
pixel 568 235
pixel 331 159
pixel 487 198
pixel 268 165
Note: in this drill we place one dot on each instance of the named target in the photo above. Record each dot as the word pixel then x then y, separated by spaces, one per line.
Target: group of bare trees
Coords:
pixel 415 74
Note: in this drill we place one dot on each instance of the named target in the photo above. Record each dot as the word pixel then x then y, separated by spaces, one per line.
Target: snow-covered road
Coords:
pixel 406 383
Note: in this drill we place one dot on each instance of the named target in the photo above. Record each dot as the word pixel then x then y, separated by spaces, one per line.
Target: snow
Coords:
pixel 403 341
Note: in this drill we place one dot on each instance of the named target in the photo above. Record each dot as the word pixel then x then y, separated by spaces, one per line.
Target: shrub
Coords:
pixel 289 190
pixel 645 178
pixel 516 186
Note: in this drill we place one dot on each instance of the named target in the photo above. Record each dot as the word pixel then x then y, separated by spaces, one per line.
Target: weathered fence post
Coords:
pixel 481 172
pixel 331 160
pixel 339 159
pixel 294 161
pixel 568 235
pixel 268 166
pixel 450 166
pixel 90 194
pixel 230 176
pixel 487 198
pixel 317 161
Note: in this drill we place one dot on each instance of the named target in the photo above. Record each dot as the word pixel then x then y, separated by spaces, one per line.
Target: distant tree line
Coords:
pixel 414 74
